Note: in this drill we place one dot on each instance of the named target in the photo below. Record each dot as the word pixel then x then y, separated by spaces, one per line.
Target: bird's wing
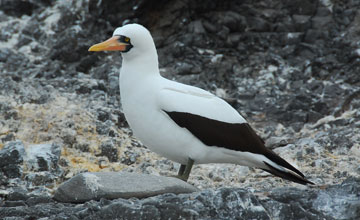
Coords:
pixel 209 118
pixel 192 100
pixel 215 123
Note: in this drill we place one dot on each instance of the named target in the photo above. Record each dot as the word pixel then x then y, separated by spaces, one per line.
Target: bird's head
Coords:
pixel 128 39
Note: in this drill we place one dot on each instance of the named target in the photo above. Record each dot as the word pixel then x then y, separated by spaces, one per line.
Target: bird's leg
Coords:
pixel 181 170
pixel 184 171
pixel 187 171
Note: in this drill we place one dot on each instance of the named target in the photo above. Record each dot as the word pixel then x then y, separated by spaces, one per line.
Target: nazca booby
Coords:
pixel 183 123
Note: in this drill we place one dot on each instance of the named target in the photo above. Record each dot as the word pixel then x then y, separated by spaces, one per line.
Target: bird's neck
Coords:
pixel 140 72
pixel 140 66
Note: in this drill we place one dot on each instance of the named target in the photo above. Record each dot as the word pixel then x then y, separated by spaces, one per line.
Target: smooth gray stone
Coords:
pixel 112 185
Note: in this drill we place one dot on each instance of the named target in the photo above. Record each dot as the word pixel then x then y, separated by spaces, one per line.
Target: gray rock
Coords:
pixel 12 153
pixel 4 53
pixel 32 29
pixel 274 142
pixel 3 179
pixel 197 27
pixel 292 38
pixel 43 157
pixel 258 24
pixel 42 178
pixel 82 147
pixel 31 94
pixel 319 22
pixel 112 185
pixel 18 7
pixel 312 35
pixel 17 193
pixel 86 63
pixel 100 72
pixel 104 128
pixel 225 203
pixel 103 115
pixel 13 203
pixel 184 68
pixel 34 200
pixel 11 157
pixel 334 202
pixel 109 150
pixel 13 60
pixel 5 33
pixel 129 157
pixel 12 170
pixel 62 51
pixel 23 40
pixel 302 7
pixel 233 20
pixel 302 22
pixel 114 83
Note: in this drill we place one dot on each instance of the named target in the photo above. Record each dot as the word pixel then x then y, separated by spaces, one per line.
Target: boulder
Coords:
pixel 112 185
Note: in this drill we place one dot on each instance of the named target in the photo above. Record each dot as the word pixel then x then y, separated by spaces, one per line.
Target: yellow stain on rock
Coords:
pixel 53 121
pixel 81 162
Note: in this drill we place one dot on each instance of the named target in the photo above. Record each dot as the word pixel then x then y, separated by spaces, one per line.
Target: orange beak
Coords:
pixel 111 44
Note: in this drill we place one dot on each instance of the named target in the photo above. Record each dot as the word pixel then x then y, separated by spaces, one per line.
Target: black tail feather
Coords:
pixel 278 160
pixel 295 177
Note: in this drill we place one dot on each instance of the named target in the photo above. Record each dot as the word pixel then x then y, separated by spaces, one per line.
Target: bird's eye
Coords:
pixel 127 39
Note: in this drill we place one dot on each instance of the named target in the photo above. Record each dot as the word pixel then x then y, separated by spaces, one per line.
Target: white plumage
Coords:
pixel 157 110
pixel 145 94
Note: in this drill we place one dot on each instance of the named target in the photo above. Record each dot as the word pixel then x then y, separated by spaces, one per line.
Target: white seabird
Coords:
pixel 183 123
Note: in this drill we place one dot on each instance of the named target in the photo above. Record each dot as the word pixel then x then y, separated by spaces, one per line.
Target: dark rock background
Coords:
pixel 292 68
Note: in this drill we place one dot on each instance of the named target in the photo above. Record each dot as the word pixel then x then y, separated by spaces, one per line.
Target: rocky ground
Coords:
pixel 292 68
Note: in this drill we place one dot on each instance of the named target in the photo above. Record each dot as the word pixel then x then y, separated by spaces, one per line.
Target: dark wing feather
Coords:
pixel 238 137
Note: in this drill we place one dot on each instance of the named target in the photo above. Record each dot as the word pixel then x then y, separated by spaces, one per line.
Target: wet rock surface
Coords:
pixel 290 67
